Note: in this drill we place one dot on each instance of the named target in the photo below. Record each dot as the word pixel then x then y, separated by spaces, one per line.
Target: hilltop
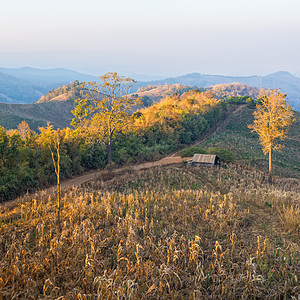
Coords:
pixel 154 93
pixel 70 91
pixel 235 89
pixel 288 83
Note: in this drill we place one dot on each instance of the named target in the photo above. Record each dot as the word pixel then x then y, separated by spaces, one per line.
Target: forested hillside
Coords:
pixel 170 124
pixel 154 93
pixel 26 162
pixel 56 105
pixel 14 90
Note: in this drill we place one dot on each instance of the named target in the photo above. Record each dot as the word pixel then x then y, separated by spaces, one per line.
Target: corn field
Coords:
pixel 165 233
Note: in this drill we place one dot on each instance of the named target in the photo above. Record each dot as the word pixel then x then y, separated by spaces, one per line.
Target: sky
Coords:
pixel 159 38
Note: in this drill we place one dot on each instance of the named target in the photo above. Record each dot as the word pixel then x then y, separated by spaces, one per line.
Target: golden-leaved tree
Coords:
pixel 272 118
pixel 104 113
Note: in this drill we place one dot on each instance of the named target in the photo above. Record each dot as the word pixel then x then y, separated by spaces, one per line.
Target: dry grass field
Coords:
pixel 169 232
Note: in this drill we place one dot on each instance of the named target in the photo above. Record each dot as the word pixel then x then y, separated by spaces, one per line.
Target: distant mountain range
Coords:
pixel 27 85
pixel 287 82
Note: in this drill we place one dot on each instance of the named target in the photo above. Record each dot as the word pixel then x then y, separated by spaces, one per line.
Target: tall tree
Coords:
pixel 272 118
pixel 106 108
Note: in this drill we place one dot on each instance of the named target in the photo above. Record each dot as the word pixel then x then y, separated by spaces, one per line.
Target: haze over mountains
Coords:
pixel 27 85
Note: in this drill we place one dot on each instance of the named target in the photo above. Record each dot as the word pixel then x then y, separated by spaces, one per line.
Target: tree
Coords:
pixel 104 112
pixel 24 130
pixel 53 140
pixel 272 118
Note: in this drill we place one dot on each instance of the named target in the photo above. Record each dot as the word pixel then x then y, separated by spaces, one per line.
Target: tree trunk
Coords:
pixel 58 189
pixel 36 162
pixel 109 160
pixel 58 203
pixel 270 166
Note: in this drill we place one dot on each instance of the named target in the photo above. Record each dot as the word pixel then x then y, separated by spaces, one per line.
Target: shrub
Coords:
pixel 191 151
pixel 224 155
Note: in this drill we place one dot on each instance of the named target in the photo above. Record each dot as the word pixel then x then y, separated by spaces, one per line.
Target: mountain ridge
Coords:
pixel 27 85
pixel 284 80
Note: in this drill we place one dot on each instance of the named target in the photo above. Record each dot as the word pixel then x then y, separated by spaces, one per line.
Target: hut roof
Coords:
pixel 204 158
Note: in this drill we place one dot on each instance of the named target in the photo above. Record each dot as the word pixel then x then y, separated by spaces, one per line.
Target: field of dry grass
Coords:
pixel 166 233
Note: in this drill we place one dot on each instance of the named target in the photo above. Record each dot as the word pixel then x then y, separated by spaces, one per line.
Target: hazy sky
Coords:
pixel 166 37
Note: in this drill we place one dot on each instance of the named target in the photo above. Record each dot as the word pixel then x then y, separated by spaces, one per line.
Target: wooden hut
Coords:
pixel 204 160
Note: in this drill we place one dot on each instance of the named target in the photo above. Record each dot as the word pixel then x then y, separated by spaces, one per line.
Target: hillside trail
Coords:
pixel 94 175
pixel 90 176
pixel 216 129
pixel 173 158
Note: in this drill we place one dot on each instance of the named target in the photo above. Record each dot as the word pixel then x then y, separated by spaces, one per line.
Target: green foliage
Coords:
pixel 240 100
pixel 188 152
pixel 224 155
pixel 147 101
pixel 26 163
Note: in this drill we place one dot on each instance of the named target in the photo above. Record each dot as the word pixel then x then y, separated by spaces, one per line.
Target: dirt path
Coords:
pixel 91 176
pixel 95 174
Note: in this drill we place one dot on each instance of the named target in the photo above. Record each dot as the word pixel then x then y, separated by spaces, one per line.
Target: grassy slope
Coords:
pixel 236 137
pixel 171 233
pixel 37 114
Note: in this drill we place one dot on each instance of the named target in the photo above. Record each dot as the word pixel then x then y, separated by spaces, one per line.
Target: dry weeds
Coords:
pixel 164 233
